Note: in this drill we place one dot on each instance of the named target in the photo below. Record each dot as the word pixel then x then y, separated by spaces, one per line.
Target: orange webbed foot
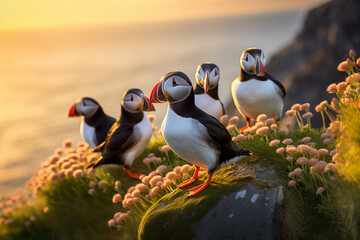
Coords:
pixel 133 175
pixel 196 190
pixel 191 180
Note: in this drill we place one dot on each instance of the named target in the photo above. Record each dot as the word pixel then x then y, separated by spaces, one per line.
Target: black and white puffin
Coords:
pixel 255 92
pixel 94 122
pixel 194 135
pixel 129 135
pixel 206 89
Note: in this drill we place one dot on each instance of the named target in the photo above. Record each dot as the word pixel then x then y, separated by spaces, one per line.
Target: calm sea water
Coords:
pixel 43 72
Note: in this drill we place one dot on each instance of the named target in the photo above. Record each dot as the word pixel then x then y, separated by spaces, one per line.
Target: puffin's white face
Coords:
pixel 253 61
pixel 86 107
pixel 132 103
pixel 207 75
pixel 176 89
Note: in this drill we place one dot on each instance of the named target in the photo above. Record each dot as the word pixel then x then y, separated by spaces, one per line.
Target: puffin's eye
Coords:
pixel 174 83
pixel 132 98
pixel 216 73
pixel 246 58
pixel 84 103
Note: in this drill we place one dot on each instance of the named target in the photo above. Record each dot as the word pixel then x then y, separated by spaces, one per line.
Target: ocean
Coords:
pixel 43 72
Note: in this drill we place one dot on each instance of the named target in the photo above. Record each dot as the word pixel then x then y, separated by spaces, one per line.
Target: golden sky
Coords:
pixel 27 14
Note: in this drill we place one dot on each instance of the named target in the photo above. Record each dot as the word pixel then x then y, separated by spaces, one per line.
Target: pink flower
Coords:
pixel 160 169
pixel 269 121
pixel 240 137
pixel 116 198
pixel 352 53
pixel 92 184
pixel 320 190
pixel 330 167
pixel 343 66
pixel 184 168
pixel 291 149
pixel 320 165
pixel 259 125
pixel 224 119
pixel 290 112
pixel 358 62
pixel 354 78
pixel 145 179
pixel 313 152
pixel 296 107
pixel 274 143
pixel 165 148
pixel 154 180
pixel 341 86
pixel 287 141
pixel 325 135
pixel 291 183
pixel 234 120
pixel 135 193
pixel 171 175
pixel 262 131
pixel 154 191
pixel 323 152
pixel 280 150
pixel 67 143
pixel 91 191
pixel 261 118
pixel 111 223
pixel 336 157
pixel 297 171
pixel 230 128
pixel 141 187
pixel 177 169
pixel 312 144
pixel 306 139
pixel 68 172
pixel 332 152
pixel 301 161
pixel 305 106
pixel 304 148
pixel 101 184
pixel 167 182
pixel 146 161
pixel 291 174
pixel 313 161
pixel 273 126
pixel 78 173
pixel 130 189
pixel 289 158
pixel 151 117
pixel 331 88
pixel 308 115
pixel 327 141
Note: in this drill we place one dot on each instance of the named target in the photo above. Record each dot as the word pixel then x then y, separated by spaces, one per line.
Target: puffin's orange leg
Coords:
pixel 201 187
pixel 248 124
pixel 132 175
pixel 191 180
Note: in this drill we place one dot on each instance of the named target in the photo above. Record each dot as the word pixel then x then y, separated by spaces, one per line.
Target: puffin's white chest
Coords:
pixel 209 105
pixel 187 138
pixel 88 133
pixel 143 132
pixel 254 97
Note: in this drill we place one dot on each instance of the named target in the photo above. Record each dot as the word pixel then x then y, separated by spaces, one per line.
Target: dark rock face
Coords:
pixel 248 208
pixel 309 64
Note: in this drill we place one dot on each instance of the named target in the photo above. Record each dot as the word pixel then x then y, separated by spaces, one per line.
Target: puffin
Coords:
pixel 191 133
pixel 256 92
pixel 206 89
pixel 129 135
pixel 94 123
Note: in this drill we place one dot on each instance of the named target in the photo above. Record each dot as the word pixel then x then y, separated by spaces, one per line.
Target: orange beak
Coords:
pixel 73 112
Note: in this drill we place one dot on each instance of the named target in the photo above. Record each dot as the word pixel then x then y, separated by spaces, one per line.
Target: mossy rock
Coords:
pixel 242 202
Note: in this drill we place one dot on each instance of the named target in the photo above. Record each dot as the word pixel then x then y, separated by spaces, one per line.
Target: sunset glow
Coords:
pixel 25 14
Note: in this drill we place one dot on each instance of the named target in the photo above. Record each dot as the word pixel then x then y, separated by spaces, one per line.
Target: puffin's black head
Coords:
pixel 207 76
pixel 252 61
pixel 84 106
pixel 173 87
pixel 134 101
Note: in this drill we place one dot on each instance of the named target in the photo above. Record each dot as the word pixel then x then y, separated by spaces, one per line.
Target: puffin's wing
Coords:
pixel 216 130
pixel 279 84
pixel 120 140
pixel 99 147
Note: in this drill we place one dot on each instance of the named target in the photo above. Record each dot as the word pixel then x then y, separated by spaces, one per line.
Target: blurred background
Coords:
pixel 53 52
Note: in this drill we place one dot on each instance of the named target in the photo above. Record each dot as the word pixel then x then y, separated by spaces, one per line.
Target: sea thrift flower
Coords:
pixel 320 190
pixel 184 168
pixel 291 149
pixel 224 119
pixel 354 78
pixel 304 148
pixel 262 131
pixel 325 135
pixel 332 153
pixel 336 157
pixel 301 161
pixel 91 191
pixel 296 107
pixel 77 173
pixel 171 175
pixel 327 141
pixel 165 148
pixel 177 169
pixel 306 139
pixel 160 169
pixel 305 106
pixel 312 144
pixel 320 165
pixel 297 171
pixel 280 150
pixel 341 86
pixel 67 143
pixel 111 223
pixel 135 193
pixel 308 115
pixel 274 143
pixel 141 187
pixel 291 174
pixel 313 152
pixel 323 151
pixel 261 118
pixel 101 184
pixel 234 120
pixel 69 172
pixel 259 125
pixel 291 183
pixel 313 161
pixel 270 121
pixel 330 167
pixel 332 88
pixel 145 179
pixel 154 191
pixel 290 112
pixel 273 126
pixel 287 141
pixel 240 137
pixel 358 62
pixel 230 128
pixel 116 198
pixel 154 180
pixel 289 158
pixel 343 66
